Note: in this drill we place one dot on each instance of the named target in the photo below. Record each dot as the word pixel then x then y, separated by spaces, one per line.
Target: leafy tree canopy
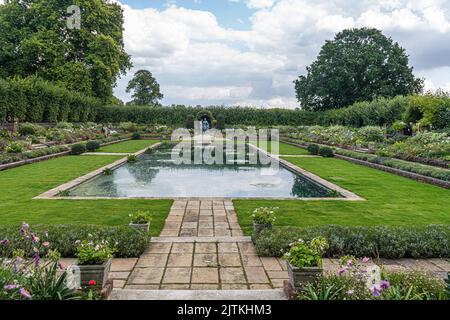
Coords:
pixel 35 39
pixel 145 89
pixel 358 65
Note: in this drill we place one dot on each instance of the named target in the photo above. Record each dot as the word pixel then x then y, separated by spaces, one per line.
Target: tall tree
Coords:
pixel 358 65
pixel 37 38
pixel 145 89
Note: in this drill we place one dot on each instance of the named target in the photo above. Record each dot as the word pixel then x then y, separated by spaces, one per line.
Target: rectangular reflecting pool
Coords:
pixel 155 175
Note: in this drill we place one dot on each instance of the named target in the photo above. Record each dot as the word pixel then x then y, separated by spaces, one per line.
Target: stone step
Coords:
pixel 200 239
pixel 132 294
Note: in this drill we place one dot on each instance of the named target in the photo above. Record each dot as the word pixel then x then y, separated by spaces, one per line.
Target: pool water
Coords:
pixel 156 175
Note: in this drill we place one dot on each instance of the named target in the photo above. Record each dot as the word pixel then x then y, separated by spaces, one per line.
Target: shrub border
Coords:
pixel 402 173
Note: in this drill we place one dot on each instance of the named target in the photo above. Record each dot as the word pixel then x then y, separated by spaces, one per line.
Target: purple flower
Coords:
pixel 9 287
pixel 376 291
pixel 36 261
pixel 384 285
pixel 4 242
pixel 25 293
pixel 365 260
pixel 34 238
pixel 24 228
pixel 343 270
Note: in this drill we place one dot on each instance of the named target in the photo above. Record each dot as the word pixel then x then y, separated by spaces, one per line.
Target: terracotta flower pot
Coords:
pixel 300 277
pixel 98 273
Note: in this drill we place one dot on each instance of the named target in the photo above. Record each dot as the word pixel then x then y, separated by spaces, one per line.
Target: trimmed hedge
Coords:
pixel 128 241
pixel 434 172
pixel 78 149
pixel 388 242
pixel 33 99
pixel 92 146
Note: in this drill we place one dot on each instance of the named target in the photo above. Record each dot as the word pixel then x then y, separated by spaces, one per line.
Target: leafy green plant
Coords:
pixel 132 158
pixel 78 149
pixel 313 149
pixel 108 171
pixel 136 136
pixel 14 147
pixel 326 152
pixel 92 146
pixel 140 217
pixel 91 252
pixel 264 215
pixel 307 254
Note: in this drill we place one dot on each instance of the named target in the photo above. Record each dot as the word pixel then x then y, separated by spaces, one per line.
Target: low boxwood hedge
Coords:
pixel 430 171
pixel 128 241
pixel 388 242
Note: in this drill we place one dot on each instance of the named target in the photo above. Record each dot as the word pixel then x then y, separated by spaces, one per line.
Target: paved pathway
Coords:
pixel 201 247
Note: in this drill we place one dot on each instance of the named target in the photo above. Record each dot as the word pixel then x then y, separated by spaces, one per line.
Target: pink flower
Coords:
pixel 376 291
pixel 24 293
pixel 343 270
pixel 46 244
pixel 24 228
pixel 384 285
pixel 4 242
pixel 365 260
pixel 9 287
pixel 34 238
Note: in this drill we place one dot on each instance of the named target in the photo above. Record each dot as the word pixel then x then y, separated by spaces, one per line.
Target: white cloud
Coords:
pixel 260 4
pixel 198 61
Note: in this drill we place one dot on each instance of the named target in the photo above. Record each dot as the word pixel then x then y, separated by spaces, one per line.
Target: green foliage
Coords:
pixel 370 134
pixel 307 254
pixel 88 59
pixel 136 136
pixel 14 147
pixel 36 100
pixel 397 286
pixel 344 63
pixel 141 217
pixel 313 149
pixel 108 172
pixel 92 146
pixel 429 171
pixel 132 158
pixel 27 129
pixel 91 252
pixel 146 91
pixel 380 241
pixel 190 122
pixel 127 242
pixel 326 152
pixel 78 149
pixel 264 215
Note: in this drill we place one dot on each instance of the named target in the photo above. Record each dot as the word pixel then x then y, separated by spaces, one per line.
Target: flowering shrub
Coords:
pixel 90 252
pixel 307 254
pixel 264 215
pixel 23 279
pixel 141 217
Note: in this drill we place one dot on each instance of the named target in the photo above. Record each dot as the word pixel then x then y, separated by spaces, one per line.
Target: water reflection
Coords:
pixel 155 175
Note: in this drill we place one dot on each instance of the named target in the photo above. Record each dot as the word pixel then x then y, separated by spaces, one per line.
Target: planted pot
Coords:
pixel 98 273
pixel 300 277
pixel 141 226
pixel 257 228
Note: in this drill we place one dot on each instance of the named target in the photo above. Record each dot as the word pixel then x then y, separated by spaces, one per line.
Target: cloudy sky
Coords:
pixel 248 52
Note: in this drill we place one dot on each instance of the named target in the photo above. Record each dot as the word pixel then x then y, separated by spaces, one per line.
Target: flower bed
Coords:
pixel 129 242
pixel 380 241
pixel 359 280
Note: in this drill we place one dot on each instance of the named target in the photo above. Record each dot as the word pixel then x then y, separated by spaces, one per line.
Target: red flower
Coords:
pixel 92 282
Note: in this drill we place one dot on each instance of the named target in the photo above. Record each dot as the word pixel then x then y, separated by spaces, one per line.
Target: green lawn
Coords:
pixel 391 200
pixel 287 149
pixel 18 186
pixel 129 146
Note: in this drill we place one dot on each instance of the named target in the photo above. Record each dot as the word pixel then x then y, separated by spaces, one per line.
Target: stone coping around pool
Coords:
pixel 348 195
pixel 53 193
